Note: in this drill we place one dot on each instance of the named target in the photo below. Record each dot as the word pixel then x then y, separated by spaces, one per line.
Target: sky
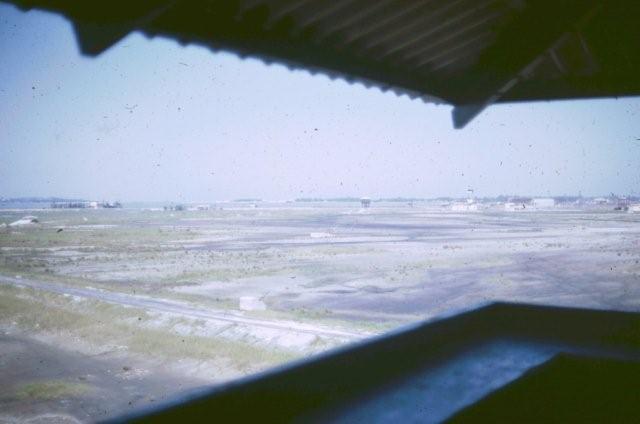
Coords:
pixel 151 120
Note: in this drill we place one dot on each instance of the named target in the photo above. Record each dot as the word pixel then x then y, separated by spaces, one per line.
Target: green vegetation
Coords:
pixel 224 274
pixel 103 324
pixel 325 317
pixel 209 259
pixel 51 389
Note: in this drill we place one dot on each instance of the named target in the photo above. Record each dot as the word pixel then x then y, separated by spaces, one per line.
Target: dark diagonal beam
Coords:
pixel 519 48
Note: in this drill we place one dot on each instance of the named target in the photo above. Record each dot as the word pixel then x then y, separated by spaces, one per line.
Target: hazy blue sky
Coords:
pixel 152 120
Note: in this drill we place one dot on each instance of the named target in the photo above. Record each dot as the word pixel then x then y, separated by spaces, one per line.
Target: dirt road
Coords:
pixel 179 308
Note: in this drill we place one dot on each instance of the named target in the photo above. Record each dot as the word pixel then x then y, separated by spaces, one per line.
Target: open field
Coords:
pixel 124 308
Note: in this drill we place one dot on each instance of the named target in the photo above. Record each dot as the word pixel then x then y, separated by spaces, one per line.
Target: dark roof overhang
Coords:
pixel 467 53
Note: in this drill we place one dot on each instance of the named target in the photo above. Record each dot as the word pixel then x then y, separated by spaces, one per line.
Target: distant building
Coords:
pixel 70 205
pixel 85 205
pixel 111 205
pixel 469 206
pixel 512 206
pixel 464 207
pixel 543 202
pixel 520 199
pixel 622 205
pixel 470 196
pixel 365 202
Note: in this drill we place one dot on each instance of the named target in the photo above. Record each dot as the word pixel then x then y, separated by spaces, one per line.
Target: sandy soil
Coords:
pixel 43 383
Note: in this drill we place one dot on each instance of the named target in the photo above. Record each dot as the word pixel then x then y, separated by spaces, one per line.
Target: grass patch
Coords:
pixel 107 238
pixel 51 389
pixel 224 274
pixel 324 317
pixel 100 323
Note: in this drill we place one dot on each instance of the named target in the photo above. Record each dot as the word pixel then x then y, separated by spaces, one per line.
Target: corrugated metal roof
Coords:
pixel 469 53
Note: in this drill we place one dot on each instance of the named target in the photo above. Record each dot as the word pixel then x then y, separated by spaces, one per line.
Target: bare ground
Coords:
pixel 187 299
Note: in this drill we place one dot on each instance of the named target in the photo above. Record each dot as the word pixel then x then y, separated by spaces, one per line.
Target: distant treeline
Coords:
pixel 328 199
pixel 38 200
pixel 401 199
pixel 501 198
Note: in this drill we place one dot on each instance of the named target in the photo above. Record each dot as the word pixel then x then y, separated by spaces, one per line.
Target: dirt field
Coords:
pixel 104 311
